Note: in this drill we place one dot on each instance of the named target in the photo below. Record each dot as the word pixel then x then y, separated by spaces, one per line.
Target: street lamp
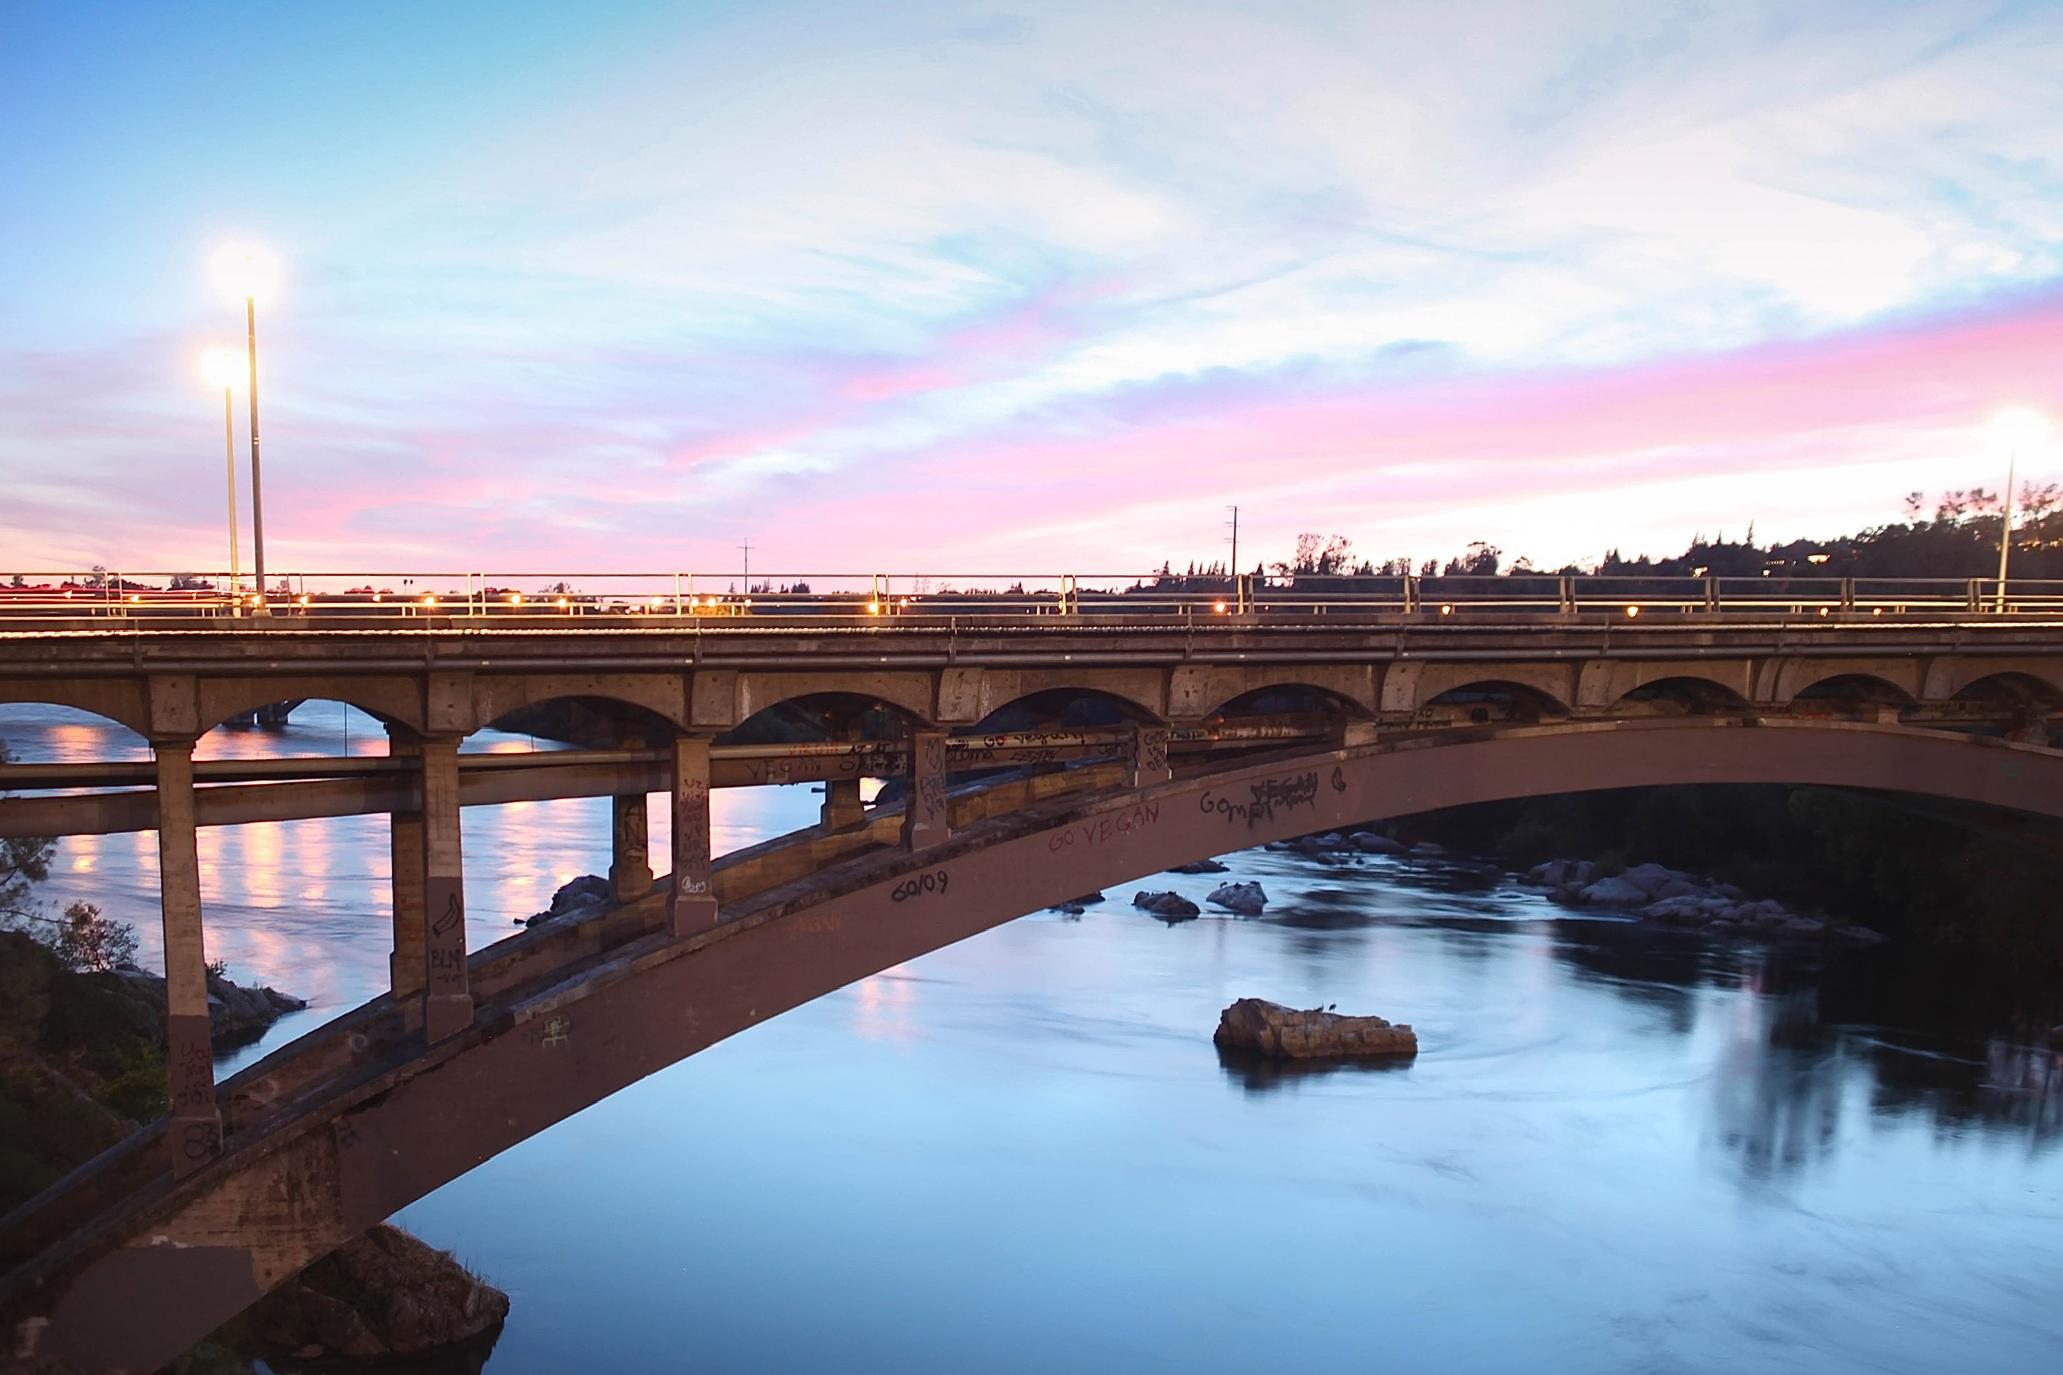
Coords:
pixel 2016 429
pixel 219 367
pixel 250 271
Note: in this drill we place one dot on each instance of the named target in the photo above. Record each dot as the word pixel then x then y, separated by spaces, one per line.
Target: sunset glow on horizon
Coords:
pixel 926 288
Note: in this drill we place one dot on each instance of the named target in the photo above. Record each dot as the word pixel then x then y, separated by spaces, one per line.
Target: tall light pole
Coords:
pixel 219 367
pixel 250 272
pixel 2017 428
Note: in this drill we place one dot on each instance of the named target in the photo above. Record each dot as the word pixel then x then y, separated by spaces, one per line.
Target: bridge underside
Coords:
pixel 125 1266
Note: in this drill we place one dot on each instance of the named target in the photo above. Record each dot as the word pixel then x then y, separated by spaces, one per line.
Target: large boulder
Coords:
pixel 1613 892
pixel 382 1297
pixel 583 897
pixel 1255 1024
pixel 1369 843
pixel 1201 866
pixel 237 1014
pixel 1247 899
pixel 1169 907
pixel 1074 907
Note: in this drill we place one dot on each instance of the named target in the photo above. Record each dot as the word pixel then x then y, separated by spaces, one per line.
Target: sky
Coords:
pixel 954 289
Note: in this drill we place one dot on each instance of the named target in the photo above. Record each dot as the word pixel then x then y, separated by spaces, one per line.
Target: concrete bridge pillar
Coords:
pixel 691 906
pixel 926 820
pixel 448 1000
pixel 630 840
pixel 842 804
pixel 407 965
pixel 1146 756
pixel 196 1125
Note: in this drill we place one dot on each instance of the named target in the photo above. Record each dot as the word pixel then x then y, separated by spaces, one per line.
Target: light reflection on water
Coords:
pixel 1617 1151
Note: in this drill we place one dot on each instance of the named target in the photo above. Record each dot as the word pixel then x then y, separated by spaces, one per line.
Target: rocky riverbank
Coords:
pixel 237 1013
pixel 82 1065
pixel 1651 893
pixel 1669 897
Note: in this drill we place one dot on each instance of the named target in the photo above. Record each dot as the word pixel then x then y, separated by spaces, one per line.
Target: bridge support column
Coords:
pixel 842 804
pixel 196 1124
pixel 691 906
pixel 926 819
pixel 448 1000
pixel 630 840
pixel 1146 756
pixel 407 965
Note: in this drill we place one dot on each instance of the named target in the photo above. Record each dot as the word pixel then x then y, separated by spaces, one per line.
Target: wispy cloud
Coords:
pixel 1054 287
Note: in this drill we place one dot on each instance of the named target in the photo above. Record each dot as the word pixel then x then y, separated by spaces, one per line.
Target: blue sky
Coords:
pixel 974 289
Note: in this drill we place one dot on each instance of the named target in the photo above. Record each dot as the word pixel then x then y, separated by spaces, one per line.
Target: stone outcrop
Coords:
pixel 237 1013
pixel 1265 1028
pixel 1074 907
pixel 1662 896
pixel 1247 899
pixel 583 897
pixel 1201 866
pixel 383 1297
pixel 1169 907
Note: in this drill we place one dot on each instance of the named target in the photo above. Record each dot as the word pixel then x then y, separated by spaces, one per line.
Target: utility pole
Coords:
pixel 1235 539
pixel 2006 526
pixel 746 549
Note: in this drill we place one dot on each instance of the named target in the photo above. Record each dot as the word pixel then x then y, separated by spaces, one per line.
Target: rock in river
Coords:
pixel 1247 899
pixel 383 1296
pixel 1201 866
pixel 1169 907
pixel 1271 1029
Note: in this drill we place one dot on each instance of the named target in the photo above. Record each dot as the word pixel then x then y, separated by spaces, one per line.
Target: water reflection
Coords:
pixel 1617 1150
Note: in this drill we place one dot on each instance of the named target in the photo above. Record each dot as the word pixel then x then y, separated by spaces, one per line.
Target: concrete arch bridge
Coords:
pixel 1036 761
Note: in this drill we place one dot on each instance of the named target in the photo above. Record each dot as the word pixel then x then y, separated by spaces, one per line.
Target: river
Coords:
pixel 1619 1150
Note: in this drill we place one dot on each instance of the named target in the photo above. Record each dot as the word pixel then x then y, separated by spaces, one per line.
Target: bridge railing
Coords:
pixel 875 598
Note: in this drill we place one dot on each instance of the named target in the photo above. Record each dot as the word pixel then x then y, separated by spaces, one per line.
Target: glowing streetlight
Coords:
pixel 250 271
pixel 219 367
pixel 2015 428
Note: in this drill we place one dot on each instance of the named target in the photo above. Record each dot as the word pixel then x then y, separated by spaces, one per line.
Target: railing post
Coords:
pixel 630 839
pixel 842 805
pixel 1848 594
pixel 1410 594
pixel 408 965
pixel 1567 589
pixel 691 904
pixel 1146 756
pixel 448 1002
pixel 196 1123
pixel 1974 599
pixel 926 820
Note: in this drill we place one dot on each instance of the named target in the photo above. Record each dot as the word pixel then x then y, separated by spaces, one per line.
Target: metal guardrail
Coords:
pixel 871 597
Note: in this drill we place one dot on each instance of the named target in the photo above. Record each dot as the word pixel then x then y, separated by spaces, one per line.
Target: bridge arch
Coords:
pixel 121 701
pixel 660 697
pixel 1949 676
pixel 1487 701
pixel 910 693
pixel 1292 697
pixel 1811 677
pixel 1410 686
pixel 390 701
pixel 1061 706
pixel 1350 691
pixel 2015 686
pixel 1681 695
pixel 825 716
pixel 1861 690
pixel 188 1255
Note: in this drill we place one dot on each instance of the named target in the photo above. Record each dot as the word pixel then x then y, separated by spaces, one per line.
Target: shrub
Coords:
pixel 91 943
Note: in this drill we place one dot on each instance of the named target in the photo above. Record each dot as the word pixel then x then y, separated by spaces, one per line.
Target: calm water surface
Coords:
pixel 1616 1152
